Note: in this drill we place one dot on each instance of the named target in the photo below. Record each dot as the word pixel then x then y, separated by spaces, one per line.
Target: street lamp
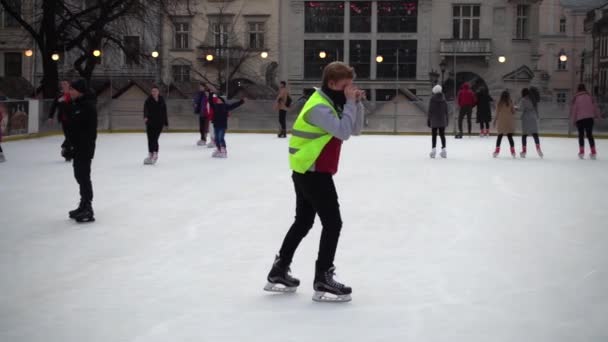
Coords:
pixel 322 54
pixel 502 59
pixel 434 77
pixel 29 53
pixel 209 58
pixel 379 59
pixel 264 54
pixel 155 54
pixel 96 53
pixel 55 57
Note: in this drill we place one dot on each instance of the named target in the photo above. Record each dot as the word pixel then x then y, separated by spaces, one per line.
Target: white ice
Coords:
pixel 469 249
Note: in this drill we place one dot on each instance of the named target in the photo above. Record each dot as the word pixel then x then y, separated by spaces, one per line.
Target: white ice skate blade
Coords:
pixel 326 297
pixel 270 287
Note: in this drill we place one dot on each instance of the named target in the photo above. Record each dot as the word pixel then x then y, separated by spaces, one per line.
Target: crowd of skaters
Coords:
pixel 583 113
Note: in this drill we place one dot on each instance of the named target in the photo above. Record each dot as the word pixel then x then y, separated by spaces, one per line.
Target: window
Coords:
pixel 397 52
pixel 523 13
pixel 256 35
pixel 313 63
pixel 562 25
pixel 360 16
pixel 182 36
pixel 466 21
pixel 561 97
pixel 131 50
pixel 220 34
pixel 398 16
pixel 12 64
pixel 7 20
pixel 323 16
pixel 181 73
pixel 360 55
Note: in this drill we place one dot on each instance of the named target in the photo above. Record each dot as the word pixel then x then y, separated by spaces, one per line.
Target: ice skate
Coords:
pixel 540 153
pixel 513 154
pixel 444 153
pixel 148 160
pixel 201 142
pixel 280 280
pixel 73 213
pixel 496 152
pixel 154 158
pixel 2 158
pixel 216 154
pixel 329 290
pixel 211 144
pixel 433 153
pixel 223 153
pixel 593 154
pixel 85 215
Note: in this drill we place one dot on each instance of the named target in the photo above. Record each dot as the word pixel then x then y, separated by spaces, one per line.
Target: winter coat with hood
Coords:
pixel 466 97
pixel 529 116
pixel 484 107
pixel 156 112
pixel 583 107
pixel 505 118
pixel 438 111
pixel 82 114
pixel 221 111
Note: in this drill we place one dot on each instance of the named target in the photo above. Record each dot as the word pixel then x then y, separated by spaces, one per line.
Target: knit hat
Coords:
pixel 79 85
pixel 437 89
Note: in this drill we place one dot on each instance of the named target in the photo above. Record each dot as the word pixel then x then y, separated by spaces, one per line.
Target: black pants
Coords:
pixel 484 125
pixel 282 122
pixel 315 195
pixel 153 133
pixel 441 132
pixel 585 126
pixel 1 149
pixel 66 142
pixel 468 112
pixel 82 173
pixel 509 136
pixel 203 126
pixel 524 139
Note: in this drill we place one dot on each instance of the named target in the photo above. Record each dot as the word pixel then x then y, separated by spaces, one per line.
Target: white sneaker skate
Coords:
pixel 148 160
pixel 433 154
pixel 444 153
pixel 201 142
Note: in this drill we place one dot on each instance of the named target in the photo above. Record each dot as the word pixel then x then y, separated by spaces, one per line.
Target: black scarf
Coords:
pixel 337 97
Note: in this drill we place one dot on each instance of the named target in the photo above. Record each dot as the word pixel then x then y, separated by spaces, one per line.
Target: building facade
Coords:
pixel 14 42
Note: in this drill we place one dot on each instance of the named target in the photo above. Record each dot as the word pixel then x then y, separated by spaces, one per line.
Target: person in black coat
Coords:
pixel 60 105
pixel 484 111
pixel 221 111
pixel 155 117
pixel 82 114
pixel 438 120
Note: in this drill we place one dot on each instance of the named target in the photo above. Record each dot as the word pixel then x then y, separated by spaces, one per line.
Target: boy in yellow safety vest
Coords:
pixel 329 117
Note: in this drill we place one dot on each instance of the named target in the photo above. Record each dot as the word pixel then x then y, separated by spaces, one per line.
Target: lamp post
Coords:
pixel 442 66
pixel 434 77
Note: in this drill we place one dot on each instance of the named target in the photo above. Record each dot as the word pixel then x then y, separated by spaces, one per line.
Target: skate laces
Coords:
pixel 329 277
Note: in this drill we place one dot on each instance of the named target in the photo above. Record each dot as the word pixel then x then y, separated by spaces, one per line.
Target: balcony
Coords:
pixel 465 47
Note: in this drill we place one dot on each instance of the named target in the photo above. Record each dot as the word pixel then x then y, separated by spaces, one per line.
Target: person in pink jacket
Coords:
pixel 582 113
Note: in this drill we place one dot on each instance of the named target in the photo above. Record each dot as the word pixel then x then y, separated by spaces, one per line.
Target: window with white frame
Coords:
pixel 256 35
pixel 182 36
pixel 466 21
pixel 523 22
pixel 220 34
pixel 561 96
pixel 181 73
pixel 562 25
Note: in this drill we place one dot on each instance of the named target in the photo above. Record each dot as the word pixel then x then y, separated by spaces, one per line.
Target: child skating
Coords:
pixel 582 113
pixel 155 117
pixel 505 122
pixel 528 105
pixel 219 116
pixel 438 120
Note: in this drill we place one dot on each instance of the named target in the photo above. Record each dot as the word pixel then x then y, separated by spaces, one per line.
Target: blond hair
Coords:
pixel 337 71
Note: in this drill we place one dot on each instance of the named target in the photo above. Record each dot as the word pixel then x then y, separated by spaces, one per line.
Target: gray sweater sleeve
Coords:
pixel 322 116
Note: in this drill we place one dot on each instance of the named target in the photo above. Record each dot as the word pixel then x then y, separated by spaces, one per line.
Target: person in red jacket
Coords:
pixel 466 101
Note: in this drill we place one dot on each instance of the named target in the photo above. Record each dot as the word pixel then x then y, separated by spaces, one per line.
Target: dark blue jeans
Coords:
pixel 219 137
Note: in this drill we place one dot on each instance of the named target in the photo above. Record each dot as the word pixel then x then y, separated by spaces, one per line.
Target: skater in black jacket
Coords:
pixel 155 117
pixel 82 135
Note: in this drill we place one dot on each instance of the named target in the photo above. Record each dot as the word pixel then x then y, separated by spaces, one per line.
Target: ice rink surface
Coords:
pixel 469 249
